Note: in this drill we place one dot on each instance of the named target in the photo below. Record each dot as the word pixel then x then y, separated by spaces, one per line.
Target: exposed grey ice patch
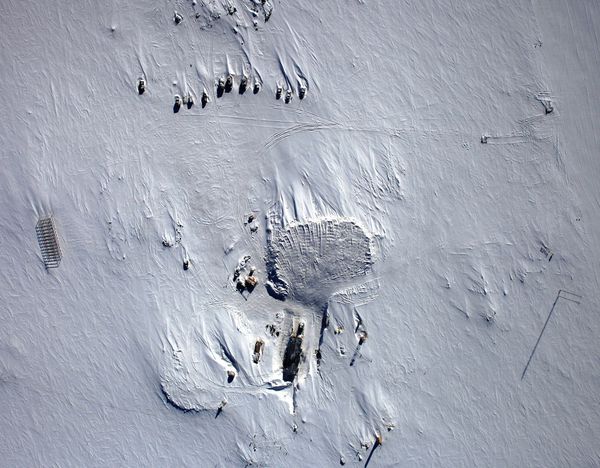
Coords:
pixel 309 261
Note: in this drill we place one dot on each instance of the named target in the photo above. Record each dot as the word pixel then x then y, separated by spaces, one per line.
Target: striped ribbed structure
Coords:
pixel 48 240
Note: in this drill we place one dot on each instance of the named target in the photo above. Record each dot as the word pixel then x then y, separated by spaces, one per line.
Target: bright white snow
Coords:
pixel 469 244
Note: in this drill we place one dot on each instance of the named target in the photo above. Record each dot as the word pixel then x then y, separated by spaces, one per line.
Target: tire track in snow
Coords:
pixel 278 137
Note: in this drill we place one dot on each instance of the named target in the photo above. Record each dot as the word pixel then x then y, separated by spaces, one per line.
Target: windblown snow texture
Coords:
pixel 415 182
pixel 310 260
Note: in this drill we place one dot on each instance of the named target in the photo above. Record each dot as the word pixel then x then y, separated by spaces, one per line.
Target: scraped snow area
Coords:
pixel 375 261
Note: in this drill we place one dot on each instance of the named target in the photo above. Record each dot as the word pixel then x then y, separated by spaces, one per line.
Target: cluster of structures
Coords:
pixel 226 84
pixel 245 283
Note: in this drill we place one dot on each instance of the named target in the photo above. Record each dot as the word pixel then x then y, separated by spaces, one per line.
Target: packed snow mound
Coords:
pixel 226 354
pixel 200 360
pixel 309 261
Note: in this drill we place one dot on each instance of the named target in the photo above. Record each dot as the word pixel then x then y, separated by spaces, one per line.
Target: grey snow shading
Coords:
pixel 309 261
pixel 437 187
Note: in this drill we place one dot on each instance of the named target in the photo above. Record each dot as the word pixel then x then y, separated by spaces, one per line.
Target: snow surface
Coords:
pixel 119 357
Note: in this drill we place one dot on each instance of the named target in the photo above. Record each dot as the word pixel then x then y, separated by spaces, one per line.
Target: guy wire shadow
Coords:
pixel 576 298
